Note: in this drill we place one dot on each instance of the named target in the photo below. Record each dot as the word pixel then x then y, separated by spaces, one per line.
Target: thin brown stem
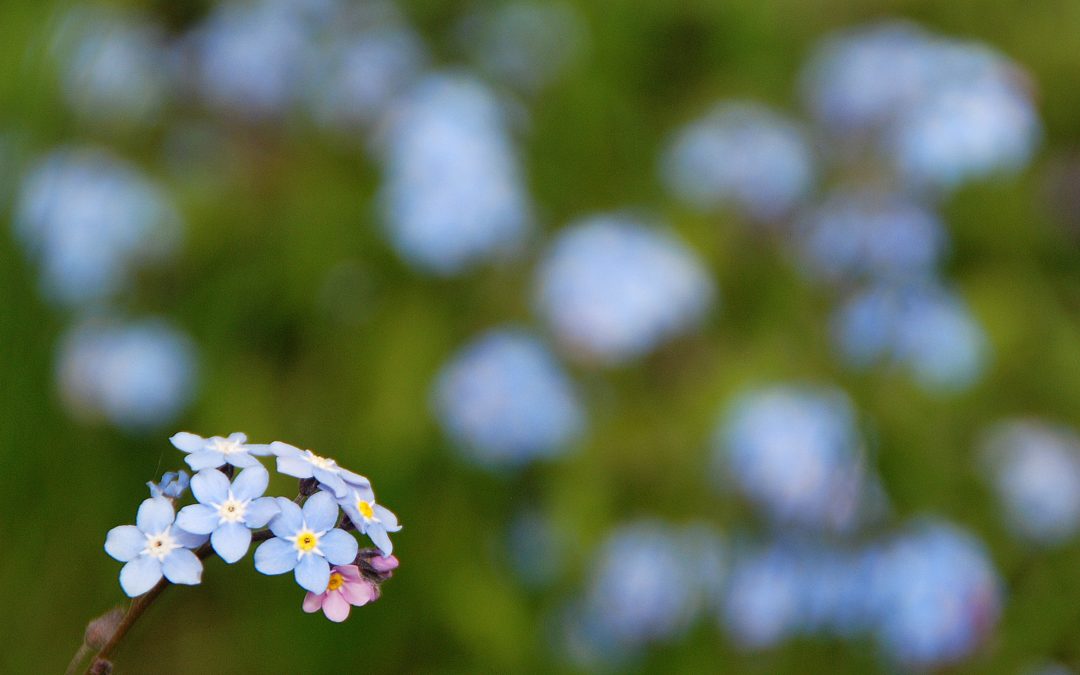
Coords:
pixel 141 603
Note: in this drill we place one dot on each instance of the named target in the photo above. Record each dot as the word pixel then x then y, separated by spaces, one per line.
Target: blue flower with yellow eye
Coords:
pixel 154 547
pixel 228 512
pixel 374 520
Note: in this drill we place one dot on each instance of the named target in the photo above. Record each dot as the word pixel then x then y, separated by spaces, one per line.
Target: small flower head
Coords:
pixel 293 461
pixel 153 547
pixel 346 587
pixel 372 519
pixel 210 453
pixel 306 542
pixel 173 485
pixel 228 512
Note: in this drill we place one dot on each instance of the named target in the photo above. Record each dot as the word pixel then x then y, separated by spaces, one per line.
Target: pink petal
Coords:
pixel 347 571
pixel 384 563
pixel 335 608
pixel 358 593
pixel 313 602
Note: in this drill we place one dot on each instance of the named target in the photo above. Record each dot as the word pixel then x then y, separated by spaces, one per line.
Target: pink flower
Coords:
pixel 347 587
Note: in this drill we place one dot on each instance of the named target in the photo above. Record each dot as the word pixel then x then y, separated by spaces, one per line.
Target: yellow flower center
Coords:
pixel 306 541
pixel 336 580
pixel 365 509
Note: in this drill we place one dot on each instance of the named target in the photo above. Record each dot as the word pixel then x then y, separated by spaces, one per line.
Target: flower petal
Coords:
pixel 321 511
pixel 139 575
pixel 294 466
pixel 259 449
pixel 251 483
pixel 197 518
pixel 210 486
pixel 205 459
pixel 379 537
pixel 182 567
pixel 275 556
pixel 335 607
pixel 261 511
pixel 358 593
pixel 348 571
pixel 387 518
pixel 242 460
pixel 238 437
pixel 354 479
pixel 285 450
pixel 125 542
pixel 288 521
pixel 313 602
pixel 188 539
pixel 155 514
pixel 339 547
pixel 188 442
pixel 313 573
pixel 329 480
pixel 231 541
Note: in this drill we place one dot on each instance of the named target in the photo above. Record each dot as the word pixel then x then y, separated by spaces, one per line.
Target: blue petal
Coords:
pixel 242 460
pixel 140 575
pixel 321 511
pixel 289 521
pixel 182 567
pixel 198 519
pixel 155 514
pixel 125 542
pixel 354 515
pixel 259 449
pixel 339 547
pixel 379 537
pixel 387 518
pixel 205 459
pixel 188 539
pixel 188 442
pixel 275 556
pixel 358 493
pixel 285 450
pixel 251 483
pixel 332 481
pixel 355 479
pixel 210 486
pixel 231 541
pixel 313 573
pixel 260 511
pixel 238 437
pixel 294 466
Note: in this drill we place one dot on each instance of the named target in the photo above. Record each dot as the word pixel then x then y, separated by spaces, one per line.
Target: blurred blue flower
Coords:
pixel 924 328
pixel 306 542
pixel 526 44
pixel 612 289
pixel 453 193
pixel 154 547
pixel 228 512
pixel 742 154
pixel 88 219
pixel 763 601
pixel 794 452
pixel 870 235
pixel 942 596
pixel 173 485
pixel 114 65
pixel 210 453
pixel 374 520
pixel 1035 469
pixel 135 375
pixel 505 400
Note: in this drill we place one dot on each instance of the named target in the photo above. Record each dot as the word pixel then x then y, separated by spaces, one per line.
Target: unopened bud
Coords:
pixel 101 667
pixel 100 630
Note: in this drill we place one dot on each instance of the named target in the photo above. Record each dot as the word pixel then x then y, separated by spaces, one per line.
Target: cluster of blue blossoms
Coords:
pixel 308 536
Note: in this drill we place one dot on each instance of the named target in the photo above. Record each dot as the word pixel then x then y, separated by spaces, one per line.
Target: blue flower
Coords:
pixel 173 485
pixel 741 154
pixel 506 400
pixel 306 542
pixel 293 461
pixel 370 518
pixel 210 453
pixel 154 547
pixel 613 288
pixel 227 512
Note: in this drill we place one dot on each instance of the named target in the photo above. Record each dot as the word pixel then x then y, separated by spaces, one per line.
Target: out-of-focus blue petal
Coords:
pixel 313 573
pixel 339 547
pixel 125 542
pixel 155 514
pixel 139 575
pixel 231 541
pixel 198 518
pixel 321 511
pixel 275 556
pixel 251 483
pixel 182 567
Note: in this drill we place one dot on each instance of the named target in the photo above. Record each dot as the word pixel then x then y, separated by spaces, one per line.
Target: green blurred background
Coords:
pixel 310 330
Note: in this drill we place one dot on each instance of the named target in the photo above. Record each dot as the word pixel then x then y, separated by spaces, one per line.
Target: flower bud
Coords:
pixel 101 629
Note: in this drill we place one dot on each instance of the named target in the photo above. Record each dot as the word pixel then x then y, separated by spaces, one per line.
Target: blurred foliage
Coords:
pixel 310 330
